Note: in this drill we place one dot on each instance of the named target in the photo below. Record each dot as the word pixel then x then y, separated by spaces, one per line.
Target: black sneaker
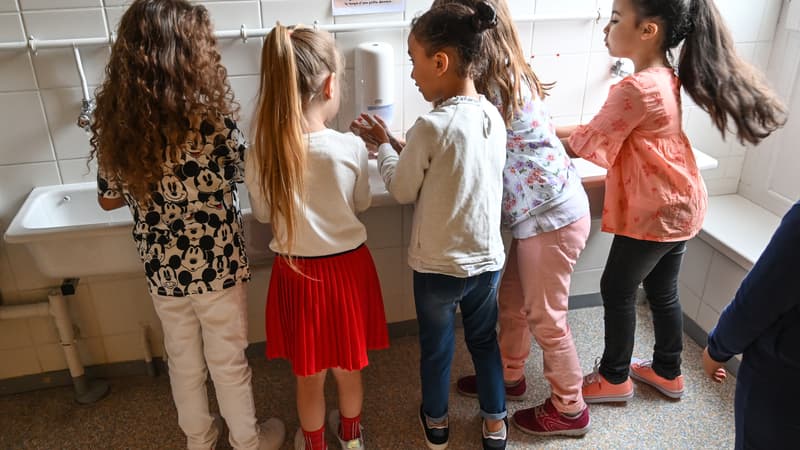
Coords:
pixel 493 442
pixel 436 435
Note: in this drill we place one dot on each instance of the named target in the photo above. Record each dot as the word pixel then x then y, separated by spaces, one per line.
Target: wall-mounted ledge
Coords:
pixel 592 176
pixel 738 228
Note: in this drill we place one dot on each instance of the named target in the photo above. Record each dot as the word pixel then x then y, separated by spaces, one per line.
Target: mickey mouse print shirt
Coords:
pixel 189 236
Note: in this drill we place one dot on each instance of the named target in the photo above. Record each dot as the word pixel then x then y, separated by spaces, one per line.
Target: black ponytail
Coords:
pixel 711 72
pixel 458 27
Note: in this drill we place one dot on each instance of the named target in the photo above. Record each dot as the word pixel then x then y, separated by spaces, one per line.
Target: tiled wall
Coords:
pixel 40 100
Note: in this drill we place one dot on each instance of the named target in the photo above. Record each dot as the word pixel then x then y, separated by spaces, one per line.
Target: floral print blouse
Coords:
pixel 538 174
pixel 654 190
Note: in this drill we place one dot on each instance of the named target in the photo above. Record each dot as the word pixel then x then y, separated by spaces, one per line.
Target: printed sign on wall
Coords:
pixel 352 7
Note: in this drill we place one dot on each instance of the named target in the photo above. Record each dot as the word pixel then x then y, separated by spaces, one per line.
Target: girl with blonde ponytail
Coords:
pixel 324 305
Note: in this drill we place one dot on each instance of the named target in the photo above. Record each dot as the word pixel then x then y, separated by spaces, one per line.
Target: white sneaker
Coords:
pixel 353 444
pixel 271 434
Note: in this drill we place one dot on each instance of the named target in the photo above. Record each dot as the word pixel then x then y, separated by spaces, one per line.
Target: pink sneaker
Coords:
pixel 545 420
pixel 596 389
pixel 468 386
pixel 642 370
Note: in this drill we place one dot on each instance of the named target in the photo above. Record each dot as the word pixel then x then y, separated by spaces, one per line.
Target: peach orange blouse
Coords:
pixel 654 191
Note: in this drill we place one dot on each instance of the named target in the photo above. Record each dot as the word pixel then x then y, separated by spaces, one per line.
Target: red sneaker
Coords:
pixel 643 371
pixel 468 386
pixel 545 420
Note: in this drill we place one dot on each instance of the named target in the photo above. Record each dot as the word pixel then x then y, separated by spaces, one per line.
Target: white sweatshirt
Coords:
pixel 337 187
pixel 452 167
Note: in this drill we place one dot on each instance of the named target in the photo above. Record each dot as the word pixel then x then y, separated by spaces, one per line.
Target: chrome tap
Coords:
pixel 620 69
pixel 85 117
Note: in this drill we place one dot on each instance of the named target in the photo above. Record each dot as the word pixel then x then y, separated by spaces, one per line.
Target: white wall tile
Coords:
pixel 23 124
pixel 595 253
pixel 565 7
pixel 256 303
pixel 695 266
pixel 724 278
pixel 113 15
pixel 347 42
pixel 384 227
pixel 245 88
pixel 416 7
pixel 8 6
pixel 122 304
pixel 743 18
pixel 414 104
pixel 690 303
pixel 570 72
pixel 65 24
pixel 17 181
pixel 585 282
pixel 56 68
pixel 707 318
pixel 18 362
pixel 62 107
pixel 598 82
pixel 16 71
pixel 15 334
pixel 124 347
pixel 769 22
pixel 25 271
pixel 295 12
pixel 562 37
pixel 238 57
pixel 704 135
pixel 76 170
pixel 8 287
pixel 28 5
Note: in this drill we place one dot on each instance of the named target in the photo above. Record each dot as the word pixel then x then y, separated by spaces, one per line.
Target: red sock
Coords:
pixel 350 429
pixel 315 440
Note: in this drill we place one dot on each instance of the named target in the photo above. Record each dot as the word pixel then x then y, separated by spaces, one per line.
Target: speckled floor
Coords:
pixel 138 414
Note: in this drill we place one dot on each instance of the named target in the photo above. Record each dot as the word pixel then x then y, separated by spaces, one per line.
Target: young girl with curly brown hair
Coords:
pixel 168 147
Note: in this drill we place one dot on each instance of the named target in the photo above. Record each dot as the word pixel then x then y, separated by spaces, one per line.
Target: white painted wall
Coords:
pixel 40 100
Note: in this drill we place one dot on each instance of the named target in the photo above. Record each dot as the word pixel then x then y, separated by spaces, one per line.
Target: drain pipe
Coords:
pixel 148 355
pixel 86 391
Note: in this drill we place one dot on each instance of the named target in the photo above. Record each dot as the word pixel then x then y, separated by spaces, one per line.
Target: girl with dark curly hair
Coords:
pixel 168 147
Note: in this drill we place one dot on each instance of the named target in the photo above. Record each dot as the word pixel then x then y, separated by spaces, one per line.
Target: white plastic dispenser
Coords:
pixel 374 80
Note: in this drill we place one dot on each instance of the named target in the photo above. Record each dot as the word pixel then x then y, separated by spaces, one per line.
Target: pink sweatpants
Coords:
pixel 534 298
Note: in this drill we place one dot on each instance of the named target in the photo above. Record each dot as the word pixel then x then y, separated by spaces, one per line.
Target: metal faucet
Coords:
pixel 618 69
pixel 87 103
pixel 85 117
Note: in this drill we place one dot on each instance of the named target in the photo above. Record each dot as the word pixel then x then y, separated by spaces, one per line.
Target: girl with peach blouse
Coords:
pixel 655 199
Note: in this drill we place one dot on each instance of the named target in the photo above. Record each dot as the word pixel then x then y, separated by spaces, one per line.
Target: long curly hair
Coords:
pixel 164 71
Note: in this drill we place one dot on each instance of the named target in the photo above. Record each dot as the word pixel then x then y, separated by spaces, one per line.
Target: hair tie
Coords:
pixel 485 17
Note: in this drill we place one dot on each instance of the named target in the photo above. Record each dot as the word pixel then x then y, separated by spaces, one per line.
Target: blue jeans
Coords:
pixel 436 297
pixel 656 266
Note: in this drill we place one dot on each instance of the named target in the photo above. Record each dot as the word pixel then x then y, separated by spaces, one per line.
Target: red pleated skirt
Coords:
pixel 328 316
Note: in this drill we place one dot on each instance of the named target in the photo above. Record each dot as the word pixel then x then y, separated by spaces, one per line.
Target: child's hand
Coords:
pixel 371 129
pixel 714 369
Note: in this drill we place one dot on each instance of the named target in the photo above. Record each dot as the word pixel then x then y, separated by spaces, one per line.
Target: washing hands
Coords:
pixel 374 132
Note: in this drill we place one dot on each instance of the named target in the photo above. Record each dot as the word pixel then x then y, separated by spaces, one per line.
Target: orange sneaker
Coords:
pixel 596 389
pixel 643 371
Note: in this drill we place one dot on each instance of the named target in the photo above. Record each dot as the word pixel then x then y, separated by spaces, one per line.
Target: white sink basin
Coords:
pixel 69 235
